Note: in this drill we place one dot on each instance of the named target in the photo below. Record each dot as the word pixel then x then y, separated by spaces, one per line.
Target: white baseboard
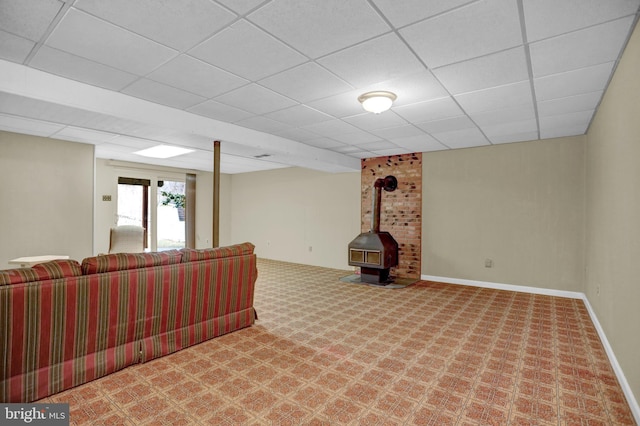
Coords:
pixel 628 393
pixel 508 287
pixel 631 399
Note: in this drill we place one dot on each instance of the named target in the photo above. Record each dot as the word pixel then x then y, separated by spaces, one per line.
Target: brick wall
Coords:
pixel 400 210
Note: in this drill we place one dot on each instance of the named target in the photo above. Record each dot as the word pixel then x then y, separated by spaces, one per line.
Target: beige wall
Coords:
pixel 520 205
pixel 46 188
pixel 613 213
pixel 107 173
pixel 286 212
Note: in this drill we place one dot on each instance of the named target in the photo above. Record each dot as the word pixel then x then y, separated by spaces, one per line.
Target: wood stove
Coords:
pixel 375 252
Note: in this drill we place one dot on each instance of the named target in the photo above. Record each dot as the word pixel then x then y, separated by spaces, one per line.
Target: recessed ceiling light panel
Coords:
pixel 163 151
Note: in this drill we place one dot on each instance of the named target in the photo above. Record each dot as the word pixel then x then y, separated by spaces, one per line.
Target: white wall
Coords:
pixel 520 205
pixel 297 215
pixel 46 193
pixel 613 213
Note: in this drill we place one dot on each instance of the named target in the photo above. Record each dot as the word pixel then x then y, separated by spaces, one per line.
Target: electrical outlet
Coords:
pixel 488 263
pixel 106 198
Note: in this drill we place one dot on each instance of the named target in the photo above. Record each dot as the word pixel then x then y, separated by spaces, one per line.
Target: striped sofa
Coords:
pixel 63 323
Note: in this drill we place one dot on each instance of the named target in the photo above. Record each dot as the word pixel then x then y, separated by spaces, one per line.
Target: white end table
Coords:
pixel 29 261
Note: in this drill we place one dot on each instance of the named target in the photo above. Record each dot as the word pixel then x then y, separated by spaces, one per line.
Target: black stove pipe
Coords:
pixel 389 184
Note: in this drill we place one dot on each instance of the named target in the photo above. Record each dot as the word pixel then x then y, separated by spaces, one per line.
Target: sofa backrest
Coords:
pixel 41 272
pixel 122 261
pixel 193 255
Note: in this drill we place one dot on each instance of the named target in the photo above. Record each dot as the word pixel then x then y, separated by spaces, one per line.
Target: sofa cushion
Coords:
pixel 122 261
pixel 40 272
pixel 192 255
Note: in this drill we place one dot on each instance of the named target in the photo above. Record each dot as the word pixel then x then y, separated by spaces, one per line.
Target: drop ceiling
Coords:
pixel 277 81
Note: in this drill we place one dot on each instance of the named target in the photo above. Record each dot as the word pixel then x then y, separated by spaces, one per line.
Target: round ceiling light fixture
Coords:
pixel 377 102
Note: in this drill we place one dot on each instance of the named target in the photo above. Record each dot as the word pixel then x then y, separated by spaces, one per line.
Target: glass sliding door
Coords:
pixel 133 204
pixel 158 206
pixel 171 215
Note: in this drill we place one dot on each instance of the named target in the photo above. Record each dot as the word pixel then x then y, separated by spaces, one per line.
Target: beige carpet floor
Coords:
pixel 325 352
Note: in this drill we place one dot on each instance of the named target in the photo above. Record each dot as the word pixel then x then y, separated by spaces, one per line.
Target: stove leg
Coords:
pixel 374 276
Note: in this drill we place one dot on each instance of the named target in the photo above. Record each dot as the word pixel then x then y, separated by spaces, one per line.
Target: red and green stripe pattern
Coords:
pixel 59 333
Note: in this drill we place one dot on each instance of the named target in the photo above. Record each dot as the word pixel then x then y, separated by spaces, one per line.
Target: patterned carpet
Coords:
pixel 324 352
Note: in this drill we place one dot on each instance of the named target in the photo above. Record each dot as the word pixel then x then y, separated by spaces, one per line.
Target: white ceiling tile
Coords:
pixel 345 149
pixel 410 89
pixel 584 102
pixel 298 116
pixel 429 111
pixel 399 132
pixel 591 46
pixel 502 116
pixel 162 94
pixel 511 128
pixel 107 44
pixel 84 135
pixel 410 11
pixel 121 127
pixel 391 151
pixel 241 6
pixel 277 42
pixel 179 24
pixel 341 105
pixel 496 97
pixel 192 75
pixel 45 111
pixel 255 99
pixel 218 111
pixel 316 28
pixel 14 48
pixel 475 30
pixel 584 80
pixel 235 149
pixel 548 18
pixel 356 138
pixel 331 128
pixel 498 69
pixel 447 124
pixel 29 19
pixel 306 82
pixel 420 143
pixel 376 145
pixel 233 165
pixel 562 131
pixel 11 123
pixel 514 137
pixel 370 121
pixel 80 69
pixel 128 144
pixel 262 124
pixel 573 119
pixel 361 154
pixel 247 51
pixel 296 134
pixel 324 143
pixel 380 59
pixel 464 138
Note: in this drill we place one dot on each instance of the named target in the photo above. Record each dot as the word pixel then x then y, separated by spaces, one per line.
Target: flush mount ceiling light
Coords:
pixel 377 102
pixel 163 151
